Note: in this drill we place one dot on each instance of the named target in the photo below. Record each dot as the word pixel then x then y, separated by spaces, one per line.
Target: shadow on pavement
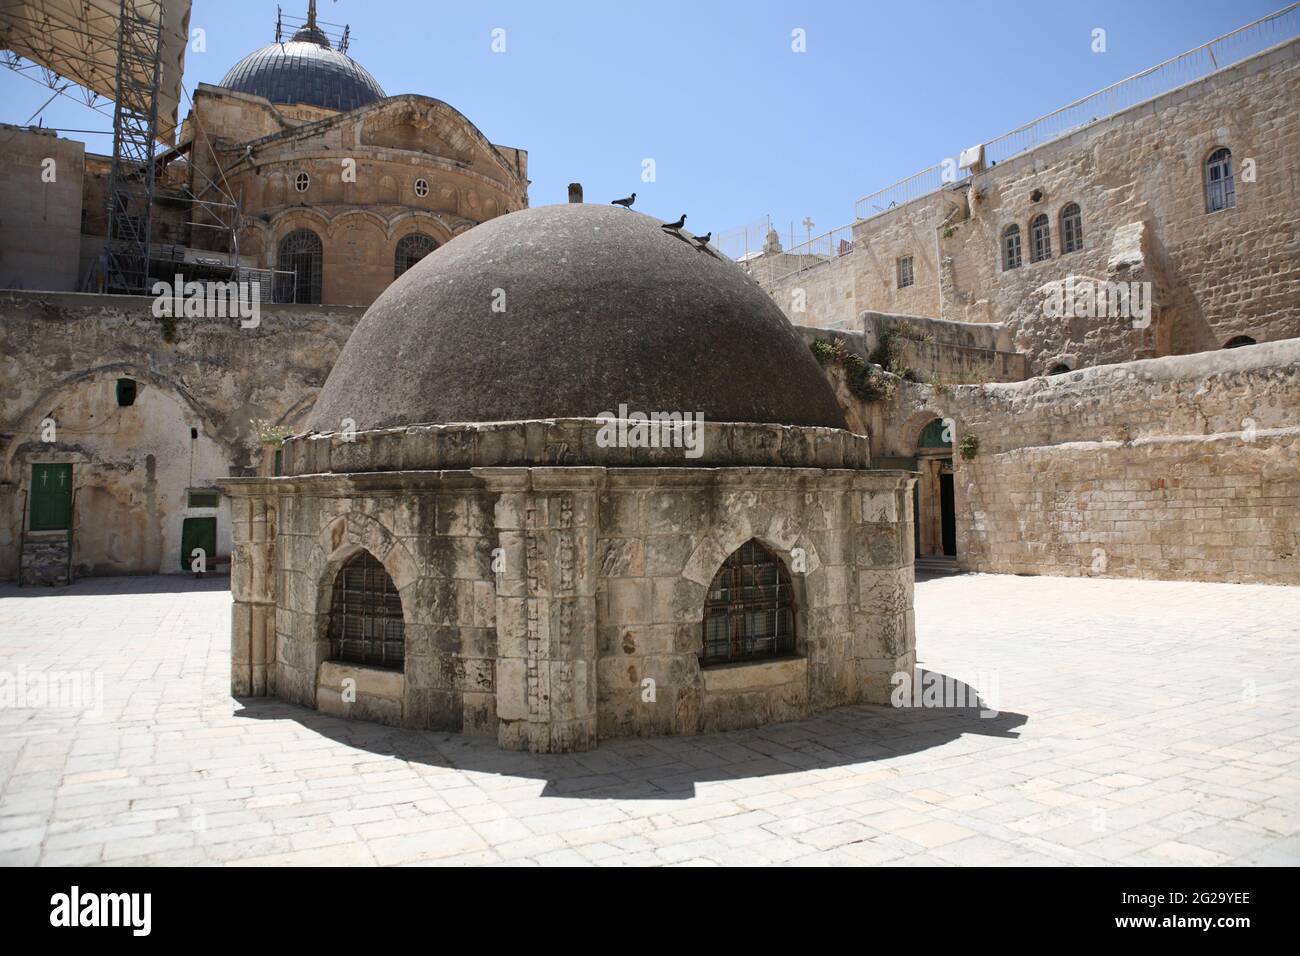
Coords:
pixel 658 768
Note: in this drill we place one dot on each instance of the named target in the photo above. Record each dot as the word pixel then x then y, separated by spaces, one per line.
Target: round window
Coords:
pixel 301 182
pixel 422 188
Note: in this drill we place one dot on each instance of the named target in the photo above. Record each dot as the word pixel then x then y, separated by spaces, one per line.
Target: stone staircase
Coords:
pixel 45 558
pixel 931 566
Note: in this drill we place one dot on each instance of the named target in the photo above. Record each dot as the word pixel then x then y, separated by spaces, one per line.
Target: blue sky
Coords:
pixel 738 125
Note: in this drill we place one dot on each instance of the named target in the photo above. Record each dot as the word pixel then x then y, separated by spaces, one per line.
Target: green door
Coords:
pixel 51 497
pixel 198 533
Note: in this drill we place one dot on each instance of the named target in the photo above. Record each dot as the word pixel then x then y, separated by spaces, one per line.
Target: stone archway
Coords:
pixel 934 495
pixel 306 600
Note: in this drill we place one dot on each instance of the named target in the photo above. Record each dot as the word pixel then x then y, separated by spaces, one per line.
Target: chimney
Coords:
pixel 575 192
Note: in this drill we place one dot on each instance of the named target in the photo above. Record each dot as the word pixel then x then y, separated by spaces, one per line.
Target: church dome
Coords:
pixel 306 69
pixel 570 311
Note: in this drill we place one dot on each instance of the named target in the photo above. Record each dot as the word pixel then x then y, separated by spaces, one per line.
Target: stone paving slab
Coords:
pixel 1137 723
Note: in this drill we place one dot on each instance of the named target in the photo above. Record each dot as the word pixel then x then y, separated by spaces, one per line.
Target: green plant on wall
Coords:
pixel 969 446
pixel 269 433
pixel 888 353
pixel 825 352
pixel 865 381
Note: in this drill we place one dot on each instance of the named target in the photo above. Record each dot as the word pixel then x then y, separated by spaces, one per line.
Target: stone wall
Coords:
pixel 1139 179
pixel 40 209
pixel 200 385
pixel 1181 467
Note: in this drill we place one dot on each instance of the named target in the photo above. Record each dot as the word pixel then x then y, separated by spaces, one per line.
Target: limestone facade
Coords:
pixel 1139 178
pixel 406 164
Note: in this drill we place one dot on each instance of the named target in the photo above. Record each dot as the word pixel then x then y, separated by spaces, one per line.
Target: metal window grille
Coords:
pixel 1040 237
pixel 300 253
pixel 410 250
pixel 1011 247
pixel 905 274
pixel 749 610
pixel 1220 190
pixel 1071 228
pixel 366 615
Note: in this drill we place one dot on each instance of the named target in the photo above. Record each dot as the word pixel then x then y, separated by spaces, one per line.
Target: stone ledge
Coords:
pixel 379 692
pixel 754 675
pixel 569 442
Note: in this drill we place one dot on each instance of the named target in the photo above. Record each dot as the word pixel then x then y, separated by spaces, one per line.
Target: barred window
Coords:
pixel 1220 191
pixel 1011 247
pixel 905 274
pixel 299 253
pixel 366 624
pixel 749 610
pixel 1040 238
pixel 410 250
pixel 1071 228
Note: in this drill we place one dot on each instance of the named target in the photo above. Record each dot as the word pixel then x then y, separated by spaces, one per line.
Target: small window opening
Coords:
pixel 126 392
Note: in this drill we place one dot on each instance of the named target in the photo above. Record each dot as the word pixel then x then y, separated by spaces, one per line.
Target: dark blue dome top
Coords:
pixel 304 70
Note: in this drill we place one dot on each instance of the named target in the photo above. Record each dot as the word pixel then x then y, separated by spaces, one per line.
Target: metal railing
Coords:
pixel 739 243
pixel 813 252
pixel 1197 64
pixel 905 190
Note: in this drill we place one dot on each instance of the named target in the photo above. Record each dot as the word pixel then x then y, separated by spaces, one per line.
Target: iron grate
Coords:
pixel 749 610
pixel 366 624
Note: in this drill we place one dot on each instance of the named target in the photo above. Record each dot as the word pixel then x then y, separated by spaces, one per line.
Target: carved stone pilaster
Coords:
pixel 546 607
pixel 253 588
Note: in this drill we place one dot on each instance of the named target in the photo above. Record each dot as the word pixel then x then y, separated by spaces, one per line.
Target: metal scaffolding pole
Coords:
pixel 135 128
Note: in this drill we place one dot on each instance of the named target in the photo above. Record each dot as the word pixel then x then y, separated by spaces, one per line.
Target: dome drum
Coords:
pixel 587 442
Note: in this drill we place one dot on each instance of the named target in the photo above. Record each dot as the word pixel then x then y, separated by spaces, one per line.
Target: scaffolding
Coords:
pixel 135 127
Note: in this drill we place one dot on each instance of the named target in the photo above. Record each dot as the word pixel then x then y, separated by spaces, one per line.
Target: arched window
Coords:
pixel 749 610
pixel 299 253
pixel 1220 192
pixel 1011 247
pixel 1060 368
pixel 410 250
pixel 1071 228
pixel 1237 341
pixel 366 624
pixel 1040 238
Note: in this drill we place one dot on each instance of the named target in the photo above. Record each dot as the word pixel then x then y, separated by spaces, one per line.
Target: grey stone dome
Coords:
pixel 304 70
pixel 602 307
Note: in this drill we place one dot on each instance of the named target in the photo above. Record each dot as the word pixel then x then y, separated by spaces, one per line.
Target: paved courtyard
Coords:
pixel 1138 722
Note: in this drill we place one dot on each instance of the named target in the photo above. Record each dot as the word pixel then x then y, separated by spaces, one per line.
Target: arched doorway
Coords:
pixel 934 496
